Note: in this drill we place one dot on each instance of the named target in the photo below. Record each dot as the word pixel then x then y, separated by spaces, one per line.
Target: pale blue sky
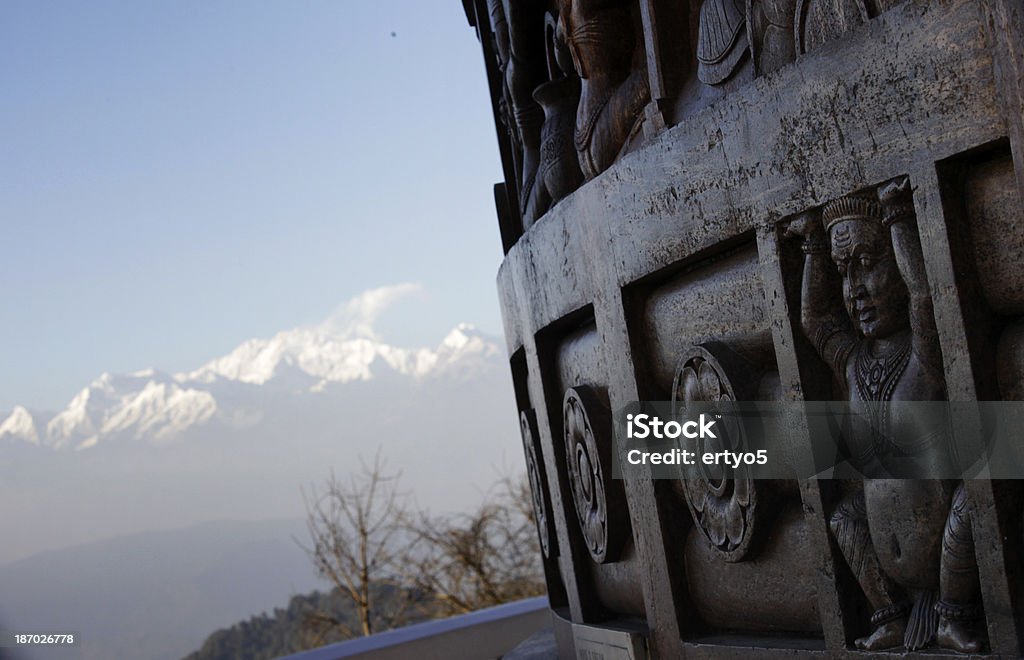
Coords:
pixel 179 176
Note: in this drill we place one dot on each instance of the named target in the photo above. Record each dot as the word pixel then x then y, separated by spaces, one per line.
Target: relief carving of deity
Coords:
pixel 721 39
pixel 606 45
pixel 517 29
pixel 908 542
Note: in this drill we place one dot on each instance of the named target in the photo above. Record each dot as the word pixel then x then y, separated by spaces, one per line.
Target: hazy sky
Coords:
pixel 178 176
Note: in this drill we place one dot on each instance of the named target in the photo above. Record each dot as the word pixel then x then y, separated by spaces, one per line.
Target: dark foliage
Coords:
pixel 309 621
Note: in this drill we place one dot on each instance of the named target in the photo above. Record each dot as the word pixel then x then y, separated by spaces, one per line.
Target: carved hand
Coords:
pixel 897 199
pixel 807 226
pixel 895 191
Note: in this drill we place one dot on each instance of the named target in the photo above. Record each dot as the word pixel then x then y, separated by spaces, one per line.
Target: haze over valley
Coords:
pixel 217 456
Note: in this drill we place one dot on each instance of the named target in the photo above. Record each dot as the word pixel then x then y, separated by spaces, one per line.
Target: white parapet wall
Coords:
pixel 482 635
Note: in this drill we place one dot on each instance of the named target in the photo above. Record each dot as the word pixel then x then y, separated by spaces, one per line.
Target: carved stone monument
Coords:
pixel 765 200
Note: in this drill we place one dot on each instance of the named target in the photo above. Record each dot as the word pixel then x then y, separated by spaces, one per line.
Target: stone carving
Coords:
pixel 908 542
pixel 559 170
pixel 818 21
pixel 721 39
pixel 517 28
pixel 588 445
pixel 559 166
pixel 499 41
pixel 669 248
pixel 723 503
pixel 770 25
pixel 528 428
pixel 524 72
pixel 729 29
pixel 781 29
pixel 607 53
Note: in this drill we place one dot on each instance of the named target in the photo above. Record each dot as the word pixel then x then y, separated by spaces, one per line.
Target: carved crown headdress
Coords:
pixel 852 207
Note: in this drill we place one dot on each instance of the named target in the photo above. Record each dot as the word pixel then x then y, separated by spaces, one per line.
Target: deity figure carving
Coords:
pixel 729 29
pixel 721 39
pixel 771 33
pixel 782 29
pixel 558 173
pixel 606 44
pixel 518 29
pixel 499 41
pixel 819 21
pixel 908 542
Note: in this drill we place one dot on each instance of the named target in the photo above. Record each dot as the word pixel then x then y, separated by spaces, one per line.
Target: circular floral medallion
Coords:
pixel 587 425
pixel 528 427
pixel 722 500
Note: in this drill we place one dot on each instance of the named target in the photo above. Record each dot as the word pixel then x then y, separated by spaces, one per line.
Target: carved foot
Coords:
pixel 885 636
pixel 959 625
pixel 959 636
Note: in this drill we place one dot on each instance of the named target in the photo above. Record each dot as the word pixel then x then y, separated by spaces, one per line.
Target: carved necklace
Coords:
pixel 877 375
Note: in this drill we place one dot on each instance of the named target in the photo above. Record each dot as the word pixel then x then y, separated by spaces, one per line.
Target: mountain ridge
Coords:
pixel 156 407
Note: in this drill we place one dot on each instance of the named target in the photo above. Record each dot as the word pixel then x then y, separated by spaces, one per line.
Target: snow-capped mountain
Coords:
pixel 155 407
pixel 331 358
pixel 20 424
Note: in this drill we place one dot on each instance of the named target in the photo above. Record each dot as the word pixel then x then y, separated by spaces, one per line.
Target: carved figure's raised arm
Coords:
pixel 897 201
pixel 822 317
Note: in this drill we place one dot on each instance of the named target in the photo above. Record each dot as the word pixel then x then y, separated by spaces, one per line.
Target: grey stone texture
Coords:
pixel 770 200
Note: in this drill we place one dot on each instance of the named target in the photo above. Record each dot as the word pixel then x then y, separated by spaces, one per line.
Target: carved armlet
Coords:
pixel 828 330
pixel 814 245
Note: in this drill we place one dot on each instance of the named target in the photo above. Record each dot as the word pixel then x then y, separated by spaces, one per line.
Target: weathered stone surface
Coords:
pixel 821 200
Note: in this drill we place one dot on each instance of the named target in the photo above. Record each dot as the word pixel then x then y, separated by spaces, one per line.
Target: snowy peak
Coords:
pixel 20 425
pixel 466 339
pixel 328 358
pixel 252 362
pixel 155 407
pixel 160 411
pixel 465 350
pixel 145 404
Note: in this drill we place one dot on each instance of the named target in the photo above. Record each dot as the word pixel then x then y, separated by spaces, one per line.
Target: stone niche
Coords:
pixel 762 200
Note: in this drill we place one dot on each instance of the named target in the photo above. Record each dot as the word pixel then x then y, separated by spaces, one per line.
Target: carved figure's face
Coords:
pixel 875 295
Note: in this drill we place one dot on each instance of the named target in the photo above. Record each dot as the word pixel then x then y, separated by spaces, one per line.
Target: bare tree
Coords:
pixel 479 559
pixel 395 565
pixel 355 528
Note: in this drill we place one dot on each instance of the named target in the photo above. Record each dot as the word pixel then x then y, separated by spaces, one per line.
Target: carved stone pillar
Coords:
pixel 785 200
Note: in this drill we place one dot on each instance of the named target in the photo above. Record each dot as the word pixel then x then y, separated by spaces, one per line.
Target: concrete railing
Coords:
pixel 481 635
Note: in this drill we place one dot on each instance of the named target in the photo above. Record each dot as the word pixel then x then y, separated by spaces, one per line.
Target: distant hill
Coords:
pixel 282 632
pixel 285 630
pixel 156 595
